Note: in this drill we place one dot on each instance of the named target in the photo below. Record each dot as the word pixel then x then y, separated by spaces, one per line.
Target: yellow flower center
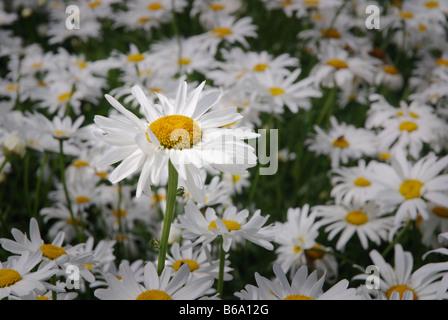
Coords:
pixel 410 189
pixel 94 4
pixel 230 225
pixel 299 248
pixel 42 298
pixel 337 64
pixel 286 3
pixel 80 163
pixel 191 263
pixel 221 32
pixel 422 27
pixel 401 289
pixel 356 217
pixel 390 69
pixel 440 211
pixel 176 131
pixel 155 6
pixel 276 91
pixel 442 62
pixel 184 61
pixel 81 64
pixel 384 156
pixel 311 2
pixel 236 178
pixel 316 252
pixel 217 7
pixel 119 213
pixel 405 15
pixel 82 199
pixel 37 65
pixel 340 142
pixel 260 67
pixel 72 222
pixel 102 174
pixel 143 19
pixel 65 96
pixel 331 33
pixel 136 57
pixel 409 126
pixel 8 277
pixel 432 4
pixel 298 297
pixel 52 252
pixel 361 182
pixel 154 294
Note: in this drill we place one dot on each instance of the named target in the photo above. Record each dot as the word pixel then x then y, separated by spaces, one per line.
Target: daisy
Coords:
pixel 437 223
pixel 303 286
pixel 423 283
pixel 233 225
pixel 369 221
pixel 342 142
pixel 61 128
pixel 199 260
pixel 295 237
pixel 353 183
pixel 410 186
pixel 208 11
pixel 18 277
pixel 165 287
pixel 149 145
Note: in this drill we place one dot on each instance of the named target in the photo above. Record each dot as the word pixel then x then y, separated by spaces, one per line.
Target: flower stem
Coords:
pixel 64 184
pixel 5 161
pixel 222 260
pixel 396 239
pixel 169 214
pixel 39 183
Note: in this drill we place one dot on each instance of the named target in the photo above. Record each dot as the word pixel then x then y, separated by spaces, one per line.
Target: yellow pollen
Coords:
pixel 154 294
pixel 442 62
pixel 384 156
pixel 59 133
pixel 401 289
pixel 52 252
pixel 340 142
pixel 317 16
pixel 89 266
pixel 286 3
pixel 184 61
pixel 80 163
pixel 406 14
pixel 261 67
pixel 422 27
pixel 119 213
pixel 311 2
pixel 440 211
pixel 410 189
pixel 236 178
pixel 361 182
pixel 276 91
pixel 409 126
pixel 41 83
pixel 298 297
pixel 94 4
pixel 316 252
pixel 81 64
pixel 230 225
pixel 70 221
pixel 331 33
pixel 156 90
pixel 42 298
pixel 191 263
pixel 413 114
pixel 337 64
pixel 217 7
pixel 36 65
pixel 102 174
pixel 155 6
pixel 176 131
pixel 8 277
pixel 158 197
pixel 356 217
pixel 222 32
pixel 143 19
pixel 11 87
pixel 65 96
pixel 432 4
pixel 390 69
pixel 136 57
pixel 82 199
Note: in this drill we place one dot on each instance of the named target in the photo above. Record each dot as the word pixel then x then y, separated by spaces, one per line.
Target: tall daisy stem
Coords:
pixel 64 185
pixel 169 215
pixel 222 260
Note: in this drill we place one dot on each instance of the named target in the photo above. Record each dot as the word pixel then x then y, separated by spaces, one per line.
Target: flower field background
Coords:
pixel 355 118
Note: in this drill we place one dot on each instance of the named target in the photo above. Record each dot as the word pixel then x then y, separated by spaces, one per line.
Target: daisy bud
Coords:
pixel 14 145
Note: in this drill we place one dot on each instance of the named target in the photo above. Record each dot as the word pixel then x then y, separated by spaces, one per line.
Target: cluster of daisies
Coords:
pixel 143 148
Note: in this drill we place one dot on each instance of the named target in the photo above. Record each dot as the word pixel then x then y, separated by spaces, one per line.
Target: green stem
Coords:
pixel 222 260
pixel 328 103
pixel 64 184
pixel 53 282
pixel 26 181
pixel 169 214
pixel 5 161
pixel 396 239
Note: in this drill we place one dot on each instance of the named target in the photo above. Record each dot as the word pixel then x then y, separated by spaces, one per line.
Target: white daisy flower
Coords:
pixel 410 186
pixel 166 287
pixel 233 226
pixel 369 221
pixel 342 142
pixel 436 223
pixel 303 286
pixel 18 277
pixel 181 132
pixel 423 283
